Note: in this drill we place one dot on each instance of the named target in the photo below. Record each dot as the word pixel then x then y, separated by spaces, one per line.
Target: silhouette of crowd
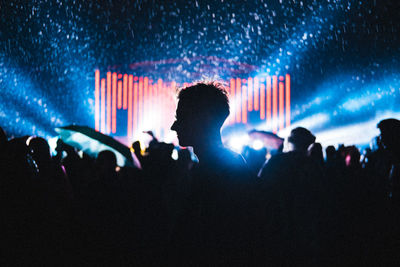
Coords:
pixel 298 208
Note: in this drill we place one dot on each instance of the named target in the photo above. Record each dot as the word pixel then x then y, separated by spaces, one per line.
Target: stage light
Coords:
pixel 236 143
pixel 257 144
pixel 52 144
pixel 174 154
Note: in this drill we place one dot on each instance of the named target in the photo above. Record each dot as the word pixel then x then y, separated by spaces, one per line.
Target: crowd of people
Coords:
pixel 297 208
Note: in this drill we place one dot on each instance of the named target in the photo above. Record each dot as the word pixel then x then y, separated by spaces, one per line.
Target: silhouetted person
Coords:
pixel 137 149
pixel 291 189
pixel 315 152
pixel 390 138
pixel 215 227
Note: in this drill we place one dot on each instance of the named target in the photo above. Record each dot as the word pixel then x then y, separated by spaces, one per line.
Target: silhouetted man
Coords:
pixel 390 138
pixel 215 227
pixel 290 185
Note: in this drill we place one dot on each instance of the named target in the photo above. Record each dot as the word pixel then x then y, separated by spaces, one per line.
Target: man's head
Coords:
pixel 201 111
pixel 390 135
pixel 300 139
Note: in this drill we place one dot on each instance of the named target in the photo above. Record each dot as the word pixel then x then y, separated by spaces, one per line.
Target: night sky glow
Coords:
pixel 343 56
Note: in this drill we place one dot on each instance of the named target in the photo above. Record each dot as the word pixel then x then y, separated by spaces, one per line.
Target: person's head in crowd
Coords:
pixel 201 111
pixel 330 153
pixel 390 135
pixel 351 156
pixel 40 150
pixel 106 162
pixel 315 152
pixel 137 147
pixel 299 140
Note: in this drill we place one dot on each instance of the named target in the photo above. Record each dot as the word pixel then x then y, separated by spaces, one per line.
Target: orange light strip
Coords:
pixel 103 105
pixel 140 102
pixel 155 109
pixel 232 101
pixel 150 102
pixel 268 105
pixel 119 92
pixel 256 94
pixel 108 102
pixel 244 103
pixel 125 91
pixel 262 101
pixel 120 87
pixel 135 107
pixel 114 108
pixel 281 105
pixel 97 100
pixel 159 103
pixel 274 103
pixel 238 100
pixel 145 98
pixel 130 87
pixel 250 94
pixel 287 83
pixel 172 108
pixel 165 107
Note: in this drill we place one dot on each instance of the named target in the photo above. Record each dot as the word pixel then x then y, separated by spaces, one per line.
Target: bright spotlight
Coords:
pixel 52 144
pixel 236 143
pixel 257 144
pixel 174 155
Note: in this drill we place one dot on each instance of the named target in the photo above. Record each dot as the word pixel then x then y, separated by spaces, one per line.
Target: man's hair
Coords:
pixel 301 138
pixel 206 98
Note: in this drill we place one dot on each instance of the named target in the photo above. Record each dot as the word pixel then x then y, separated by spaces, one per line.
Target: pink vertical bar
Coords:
pixel 130 88
pixel 281 104
pixel 256 94
pixel 287 83
pixel 97 100
pixel 145 98
pixel 238 101
pixel 268 105
pixel 125 92
pixel 150 106
pixel 171 105
pixel 274 104
pixel 155 109
pixel 103 105
pixel 250 94
pixel 119 92
pixel 244 103
pixel 159 105
pixel 140 102
pixel 262 101
pixel 135 105
pixel 232 101
pixel 114 108
pixel 108 102
pixel 119 86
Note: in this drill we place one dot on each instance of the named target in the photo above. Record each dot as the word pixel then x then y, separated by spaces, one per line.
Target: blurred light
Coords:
pixel 52 144
pixel 174 154
pixel 236 143
pixel 257 144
